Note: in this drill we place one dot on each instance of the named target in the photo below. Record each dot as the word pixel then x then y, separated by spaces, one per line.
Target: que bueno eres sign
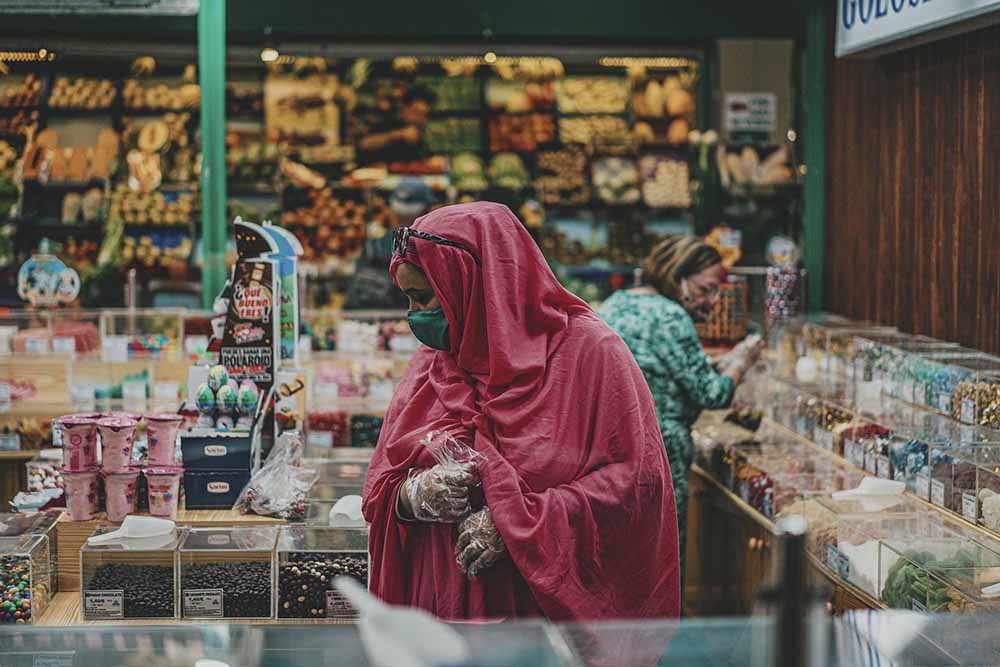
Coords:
pixel 869 24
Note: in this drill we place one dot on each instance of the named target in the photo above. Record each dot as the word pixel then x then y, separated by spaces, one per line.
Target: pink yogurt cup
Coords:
pixel 116 443
pixel 81 494
pixel 119 488
pixel 79 442
pixel 161 434
pixel 164 486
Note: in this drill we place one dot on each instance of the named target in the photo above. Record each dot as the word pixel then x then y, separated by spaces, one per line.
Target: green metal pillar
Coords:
pixel 212 76
pixel 816 107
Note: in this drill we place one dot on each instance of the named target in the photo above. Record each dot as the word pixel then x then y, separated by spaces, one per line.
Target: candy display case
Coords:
pixel 927 568
pixel 309 558
pixel 906 458
pixel 976 399
pixel 894 363
pixel 830 421
pixel 25 577
pixel 226 572
pixel 936 375
pixel 871 354
pixel 129 578
pixel 144 332
pixel 334 423
pixel 953 473
pixel 831 344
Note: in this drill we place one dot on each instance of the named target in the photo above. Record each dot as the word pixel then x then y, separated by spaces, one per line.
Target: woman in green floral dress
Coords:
pixel 682 277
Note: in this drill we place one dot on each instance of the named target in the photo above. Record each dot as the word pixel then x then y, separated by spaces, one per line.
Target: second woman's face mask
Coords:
pixel 430 327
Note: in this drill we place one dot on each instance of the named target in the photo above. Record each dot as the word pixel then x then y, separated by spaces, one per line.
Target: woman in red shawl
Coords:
pixel 579 519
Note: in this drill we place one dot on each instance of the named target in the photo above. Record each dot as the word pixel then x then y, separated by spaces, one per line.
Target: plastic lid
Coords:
pixel 86 419
pixel 164 470
pixel 117 423
pixel 132 470
pixel 164 417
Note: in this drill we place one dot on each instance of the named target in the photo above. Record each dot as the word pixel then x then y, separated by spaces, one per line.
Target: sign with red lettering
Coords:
pixel 250 340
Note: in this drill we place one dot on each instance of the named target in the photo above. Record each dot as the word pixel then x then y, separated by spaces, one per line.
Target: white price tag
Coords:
pixel 54 659
pixel 906 393
pixel 937 492
pixel 924 485
pixel 10 442
pixel 37 346
pixel 6 397
pixel 871 462
pixel 82 394
pixel 883 467
pixel 326 390
pixel 944 403
pixel 103 604
pixel 203 603
pixel 968 412
pixel 967 434
pixel 320 439
pixel 970 507
pixel 337 606
pixel 64 345
pixel 134 395
pixel 166 391
pixel 114 349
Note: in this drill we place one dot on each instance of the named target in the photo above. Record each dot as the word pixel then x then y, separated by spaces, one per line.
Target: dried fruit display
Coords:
pixel 160 96
pixel 597 94
pixel 521 133
pixel 593 129
pixel 329 226
pixel 562 177
pixel 25 94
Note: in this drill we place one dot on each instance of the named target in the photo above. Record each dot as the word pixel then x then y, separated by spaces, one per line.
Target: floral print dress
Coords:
pixel 662 337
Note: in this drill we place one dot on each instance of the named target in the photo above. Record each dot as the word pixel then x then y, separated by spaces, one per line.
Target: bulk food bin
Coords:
pixel 25 578
pixel 227 572
pixel 309 559
pixel 129 578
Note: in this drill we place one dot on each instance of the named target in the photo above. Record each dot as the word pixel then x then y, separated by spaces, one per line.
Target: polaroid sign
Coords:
pixel 867 24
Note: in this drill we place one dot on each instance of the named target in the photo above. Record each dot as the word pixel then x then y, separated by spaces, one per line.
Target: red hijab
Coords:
pixel 575 472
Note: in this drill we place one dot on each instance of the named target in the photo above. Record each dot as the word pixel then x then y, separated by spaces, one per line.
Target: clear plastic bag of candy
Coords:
pixel 279 488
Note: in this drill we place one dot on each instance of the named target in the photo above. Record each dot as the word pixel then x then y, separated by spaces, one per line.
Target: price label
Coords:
pixel 134 395
pixel 37 346
pixel 871 462
pixel 924 485
pixel 906 393
pixel 944 403
pixel 320 439
pixel 10 442
pixel 967 434
pixel 166 391
pixel 326 390
pixel 823 438
pixel 337 606
pixel 64 345
pixel 53 659
pixel 843 566
pixel 968 411
pixel 970 507
pixel 831 557
pixel 937 492
pixel 203 603
pixel 103 604
pixel 82 395
pixel 883 468
pixel 918 605
pixel 6 397
pixel 114 349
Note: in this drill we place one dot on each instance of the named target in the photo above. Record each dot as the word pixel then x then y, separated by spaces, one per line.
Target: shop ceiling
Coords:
pixel 664 23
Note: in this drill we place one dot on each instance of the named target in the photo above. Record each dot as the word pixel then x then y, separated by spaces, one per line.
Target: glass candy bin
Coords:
pixel 953 473
pixel 976 399
pixel 893 369
pixel 129 578
pixel 227 572
pixel 309 559
pixel 145 333
pixel 830 421
pixel 906 458
pixel 25 578
pixel 852 544
pixel 930 569
pixel 988 487
pixel 938 375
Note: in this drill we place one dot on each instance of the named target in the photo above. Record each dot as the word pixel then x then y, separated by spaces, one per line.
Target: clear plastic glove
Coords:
pixel 440 494
pixel 479 544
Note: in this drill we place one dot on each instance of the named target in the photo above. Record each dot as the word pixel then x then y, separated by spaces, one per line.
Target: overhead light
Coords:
pixel 792 136
pixel 269 55
pixel 490 57
pixel 205 662
pixel 42 53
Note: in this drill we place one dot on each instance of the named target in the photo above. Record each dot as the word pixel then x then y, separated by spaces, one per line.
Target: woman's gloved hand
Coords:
pixel 480 544
pixel 440 493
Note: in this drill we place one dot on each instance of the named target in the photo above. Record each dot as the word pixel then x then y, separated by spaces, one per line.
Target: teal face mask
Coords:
pixel 430 327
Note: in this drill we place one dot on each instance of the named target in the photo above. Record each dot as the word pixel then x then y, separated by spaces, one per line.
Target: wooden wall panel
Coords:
pixel 913 204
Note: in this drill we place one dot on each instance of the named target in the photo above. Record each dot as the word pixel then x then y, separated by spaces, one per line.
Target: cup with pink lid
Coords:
pixel 163 484
pixel 119 488
pixel 81 494
pixel 117 434
pixel 161 434
pixel 79 441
